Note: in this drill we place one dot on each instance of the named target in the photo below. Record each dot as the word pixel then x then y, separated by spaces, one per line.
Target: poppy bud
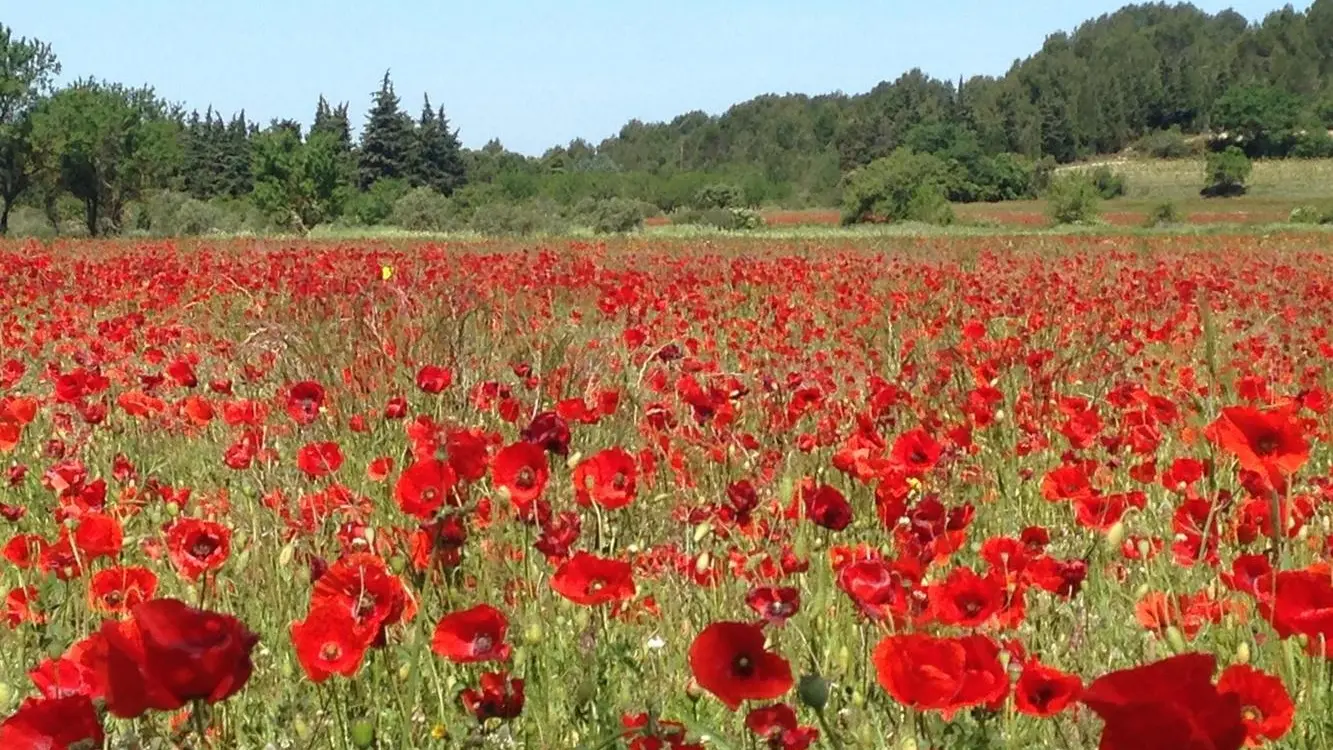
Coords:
pixel 813 690
pixel 6 695
pixel 573 460
pixel 363 733
pixel 702 531
pixel 844 659
pixel 1141 591
pixel 693 691
pixel 302 728
pixel 533 633
pixel 1115 535
pixel 702 564
pixel 397 564
pixel 404 672
pixel 1176 639
pixel 1145 548
pixel 173 509
pixel 1243 653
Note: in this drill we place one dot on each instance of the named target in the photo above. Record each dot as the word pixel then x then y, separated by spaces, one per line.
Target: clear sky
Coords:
pixel 537 73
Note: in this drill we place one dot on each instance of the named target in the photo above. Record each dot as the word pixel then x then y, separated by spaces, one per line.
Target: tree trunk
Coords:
pixel 4 217
pixel 90 215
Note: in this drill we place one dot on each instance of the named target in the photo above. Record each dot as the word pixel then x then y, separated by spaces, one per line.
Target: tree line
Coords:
pixel 1160 78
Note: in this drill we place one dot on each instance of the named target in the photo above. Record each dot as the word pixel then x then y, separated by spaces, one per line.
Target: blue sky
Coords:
pixel 537 73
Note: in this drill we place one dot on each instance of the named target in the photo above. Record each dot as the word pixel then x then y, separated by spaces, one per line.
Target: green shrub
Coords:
pixel 903 186
pixel 727 219
pixel 1164 214
pixel 171 214
pixel 718 196
pixel 424 210
pixel 1313 144
pixel 612 215
pixel 375 206
pixel 1073 199
pixel 1225 173
pixel 1311 215
pixel 1109 184
pixel 518 219
pixel 1167 144
pixel 1043 174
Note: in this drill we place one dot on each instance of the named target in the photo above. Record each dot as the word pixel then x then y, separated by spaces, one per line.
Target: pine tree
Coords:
pixel 437 156
pixel 387 143
pixel 334 121
pixel 233 149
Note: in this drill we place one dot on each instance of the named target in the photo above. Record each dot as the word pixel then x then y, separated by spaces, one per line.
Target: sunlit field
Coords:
pixel 956 492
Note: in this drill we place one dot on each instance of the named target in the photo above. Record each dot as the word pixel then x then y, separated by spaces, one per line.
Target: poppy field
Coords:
pixel 983 492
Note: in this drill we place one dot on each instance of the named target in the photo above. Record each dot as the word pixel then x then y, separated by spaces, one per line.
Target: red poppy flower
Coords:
pixel 608 478
pixel 98 535
pixel 967 599
pixel 304 401
pixel 21 607
pixel 825 506
pixel 24 550
pixel 433 379
pixel 549 431
pixel 590 580
pixel 197 546
pixel 424 487
pixel 55 724
pixel 1166 705
pixel 1265 706
pixel 774 604
pixel 319 459
pixel 499 697
pixel 1267 442
pixel 362 584
pixel 521 469
pixel 330 641
pixel 778 728
pixel 1044 691
pixel 469 453
pixel 915 452
pixel 379 469
pixel 472 635
pixel 170 654
pixel 729 660
pixel 941 674
pixel 1299 602
pixel 115 591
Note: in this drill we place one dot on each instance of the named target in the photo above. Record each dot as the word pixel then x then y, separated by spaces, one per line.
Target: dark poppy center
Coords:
pixel 742 665
pixel 1267 445
pixel 428 494
pixel 779 608
pixel 365 605
pixel 114 598
pixel 526 478
pixel 618 482
pixel 330 652
pixel 1250 713
pixel 596 585
pixel 203 547
pixel 482 644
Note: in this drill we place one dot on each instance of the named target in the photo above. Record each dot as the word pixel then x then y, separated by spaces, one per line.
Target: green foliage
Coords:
pixel 1225 173
pixel 727 219
pixel 904 186
pixel 1073 199
pixel 1109 183
pixel 1043 173
pixel 374 206
pixel 424 210
pixel 299 185
pixel 388 142
pixel 1166 144
pixel 534 217
pixel 613 215
pixel 1312 215
pixel 168 213
pixel 437 155
pixel 105 145
pixel 27 69
pixel 718 196
pixel 1262 120
pixel 1313 144
pixel 1164 214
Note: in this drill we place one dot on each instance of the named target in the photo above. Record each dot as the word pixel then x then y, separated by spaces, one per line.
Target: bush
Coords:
pixel 718 196
pixel 375 206
pixel 612 215
pixel 1225 173
pixel 1311 215
pixel 518 219
pixel 1164 214
pixel 1313 144
pixel 424 210
pixel 1167 144
pixel 727 219
pixel 1073 199
pixel 1109 184
pixel 903 186
pixel 172 214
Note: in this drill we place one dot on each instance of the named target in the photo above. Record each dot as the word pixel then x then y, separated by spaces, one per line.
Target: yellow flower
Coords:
pixel 439 732
pixel 386 272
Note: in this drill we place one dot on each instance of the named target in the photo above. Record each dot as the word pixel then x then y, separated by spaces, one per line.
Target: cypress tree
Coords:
pixel 437 156
pixel 387 142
